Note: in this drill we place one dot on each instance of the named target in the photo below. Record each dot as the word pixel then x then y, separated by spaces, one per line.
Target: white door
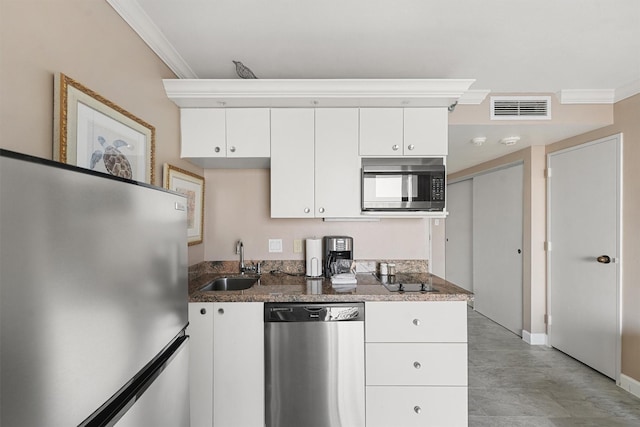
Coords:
pixel 497 246
pixel 459 234
pixel 584 212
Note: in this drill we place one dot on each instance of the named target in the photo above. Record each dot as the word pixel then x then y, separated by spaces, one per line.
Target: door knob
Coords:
pixel 395 147
pixel 604 259
pixel 232 149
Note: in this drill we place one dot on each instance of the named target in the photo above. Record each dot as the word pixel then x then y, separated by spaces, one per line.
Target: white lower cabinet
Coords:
pixel 416 364
pixel 434 364
pixel 227 364
pixel 416 406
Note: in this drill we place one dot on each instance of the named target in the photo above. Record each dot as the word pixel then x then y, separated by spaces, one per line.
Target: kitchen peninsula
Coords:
pixel 415 348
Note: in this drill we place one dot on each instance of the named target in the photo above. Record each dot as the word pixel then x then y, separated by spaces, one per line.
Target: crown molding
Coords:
pixel 474 97
pixel 586 96
pixel 628 90
pixel 315 92
pixel 139 21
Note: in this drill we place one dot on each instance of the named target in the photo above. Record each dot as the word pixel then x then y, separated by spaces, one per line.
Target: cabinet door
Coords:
pixel 238 364
pixel 416 321
pixel 434 364
pixel 417 406
pixel 203 132
pixel 426 132
pixel 248 132
pixel 200 331
pixel 337 164
pixel 292 163
pixel 381 131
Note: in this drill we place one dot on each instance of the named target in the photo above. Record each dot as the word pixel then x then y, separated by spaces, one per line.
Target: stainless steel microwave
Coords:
pixel 403 184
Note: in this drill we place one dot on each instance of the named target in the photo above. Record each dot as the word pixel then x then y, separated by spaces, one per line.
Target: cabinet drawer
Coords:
pixel 417 364
pixel 426 321
pixel 417 406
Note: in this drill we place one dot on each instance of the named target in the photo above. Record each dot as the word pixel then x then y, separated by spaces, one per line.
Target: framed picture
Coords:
pixel 94 133
pixel 192 186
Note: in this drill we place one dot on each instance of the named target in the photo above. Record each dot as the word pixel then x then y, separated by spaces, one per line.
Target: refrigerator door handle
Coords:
pixel 115 408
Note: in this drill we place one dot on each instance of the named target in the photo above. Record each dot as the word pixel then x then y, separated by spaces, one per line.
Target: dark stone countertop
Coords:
pixel 281 287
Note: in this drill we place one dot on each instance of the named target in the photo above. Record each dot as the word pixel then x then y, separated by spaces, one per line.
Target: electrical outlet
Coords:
pixel 275 245
pixel 297 246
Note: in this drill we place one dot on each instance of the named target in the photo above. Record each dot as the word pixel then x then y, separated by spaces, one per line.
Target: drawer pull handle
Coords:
pixel 221 311
pixel 417 409
pixel 417 365
pixel 416 322
pixel 203 311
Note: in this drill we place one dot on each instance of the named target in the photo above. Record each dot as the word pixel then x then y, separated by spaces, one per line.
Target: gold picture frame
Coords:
pixel 94 133
pixel 192 186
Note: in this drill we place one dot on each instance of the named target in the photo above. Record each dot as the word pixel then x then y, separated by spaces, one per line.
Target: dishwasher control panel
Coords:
pixel 305 312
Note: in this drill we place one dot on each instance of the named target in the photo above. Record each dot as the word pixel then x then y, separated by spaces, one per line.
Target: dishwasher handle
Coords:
pixel 304 312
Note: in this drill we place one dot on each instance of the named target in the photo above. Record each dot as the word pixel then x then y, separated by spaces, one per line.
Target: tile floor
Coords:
pixel 513 384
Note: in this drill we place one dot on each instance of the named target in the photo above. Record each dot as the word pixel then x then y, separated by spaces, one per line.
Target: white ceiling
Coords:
pixel 507 46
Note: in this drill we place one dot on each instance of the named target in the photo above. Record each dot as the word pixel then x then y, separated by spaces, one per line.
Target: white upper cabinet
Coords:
pixel 337 164
pixel 393 132
pixel 292 163
pixel 209 135
pixel 203 132
pixel 315 168
pixel 426 132
pixel 381 131
pixel 248 132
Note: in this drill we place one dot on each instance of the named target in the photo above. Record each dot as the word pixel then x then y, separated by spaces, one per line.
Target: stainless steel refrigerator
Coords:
pixel 93 299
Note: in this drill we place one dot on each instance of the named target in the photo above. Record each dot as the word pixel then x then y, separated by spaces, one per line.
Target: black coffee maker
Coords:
pixel 336 248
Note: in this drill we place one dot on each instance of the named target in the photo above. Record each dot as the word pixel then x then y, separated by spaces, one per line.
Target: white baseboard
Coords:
pixel 534 339
pixel 629 384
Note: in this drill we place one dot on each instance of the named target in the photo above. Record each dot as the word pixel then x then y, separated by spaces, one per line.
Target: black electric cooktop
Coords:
pixel 408 282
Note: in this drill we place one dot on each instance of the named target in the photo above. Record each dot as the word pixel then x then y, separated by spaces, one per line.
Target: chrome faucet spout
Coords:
pixel 240 251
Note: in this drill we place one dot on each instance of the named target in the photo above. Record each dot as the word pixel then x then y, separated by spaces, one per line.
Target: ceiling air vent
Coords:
pixel 520 107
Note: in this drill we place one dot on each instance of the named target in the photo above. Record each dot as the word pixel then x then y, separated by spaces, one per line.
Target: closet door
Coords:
pixel 459 234
pixel 497 246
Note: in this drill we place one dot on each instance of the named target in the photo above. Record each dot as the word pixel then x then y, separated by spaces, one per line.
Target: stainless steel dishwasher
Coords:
pixel 314 365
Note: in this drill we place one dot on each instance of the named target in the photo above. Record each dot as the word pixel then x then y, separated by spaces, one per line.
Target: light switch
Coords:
pixel 275 245
pixel 297 246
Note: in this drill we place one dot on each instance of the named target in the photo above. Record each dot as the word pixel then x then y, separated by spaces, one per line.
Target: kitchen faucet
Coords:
pixel 240 251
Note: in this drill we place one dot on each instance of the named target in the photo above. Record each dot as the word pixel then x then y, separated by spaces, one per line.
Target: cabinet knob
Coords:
pixel 221 311
pixel 417 365
pixel 307 210
pixel 203 311
pixel 321 210
pixel 417 409
pixel 395 147
pixel 217 149
pixel 232 149
pixel 416 322
pixel 411 147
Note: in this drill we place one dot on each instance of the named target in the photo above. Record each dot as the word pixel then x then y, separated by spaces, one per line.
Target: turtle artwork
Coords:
pixel 115 162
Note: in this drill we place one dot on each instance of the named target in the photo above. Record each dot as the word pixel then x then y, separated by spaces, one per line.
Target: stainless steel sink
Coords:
pixel 230 283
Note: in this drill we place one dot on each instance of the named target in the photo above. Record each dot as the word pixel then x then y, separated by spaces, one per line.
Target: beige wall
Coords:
pixel 237 207
pixel 627 122
pixel 88 41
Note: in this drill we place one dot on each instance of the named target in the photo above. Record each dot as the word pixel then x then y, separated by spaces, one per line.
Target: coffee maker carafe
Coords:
pixel 336 248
